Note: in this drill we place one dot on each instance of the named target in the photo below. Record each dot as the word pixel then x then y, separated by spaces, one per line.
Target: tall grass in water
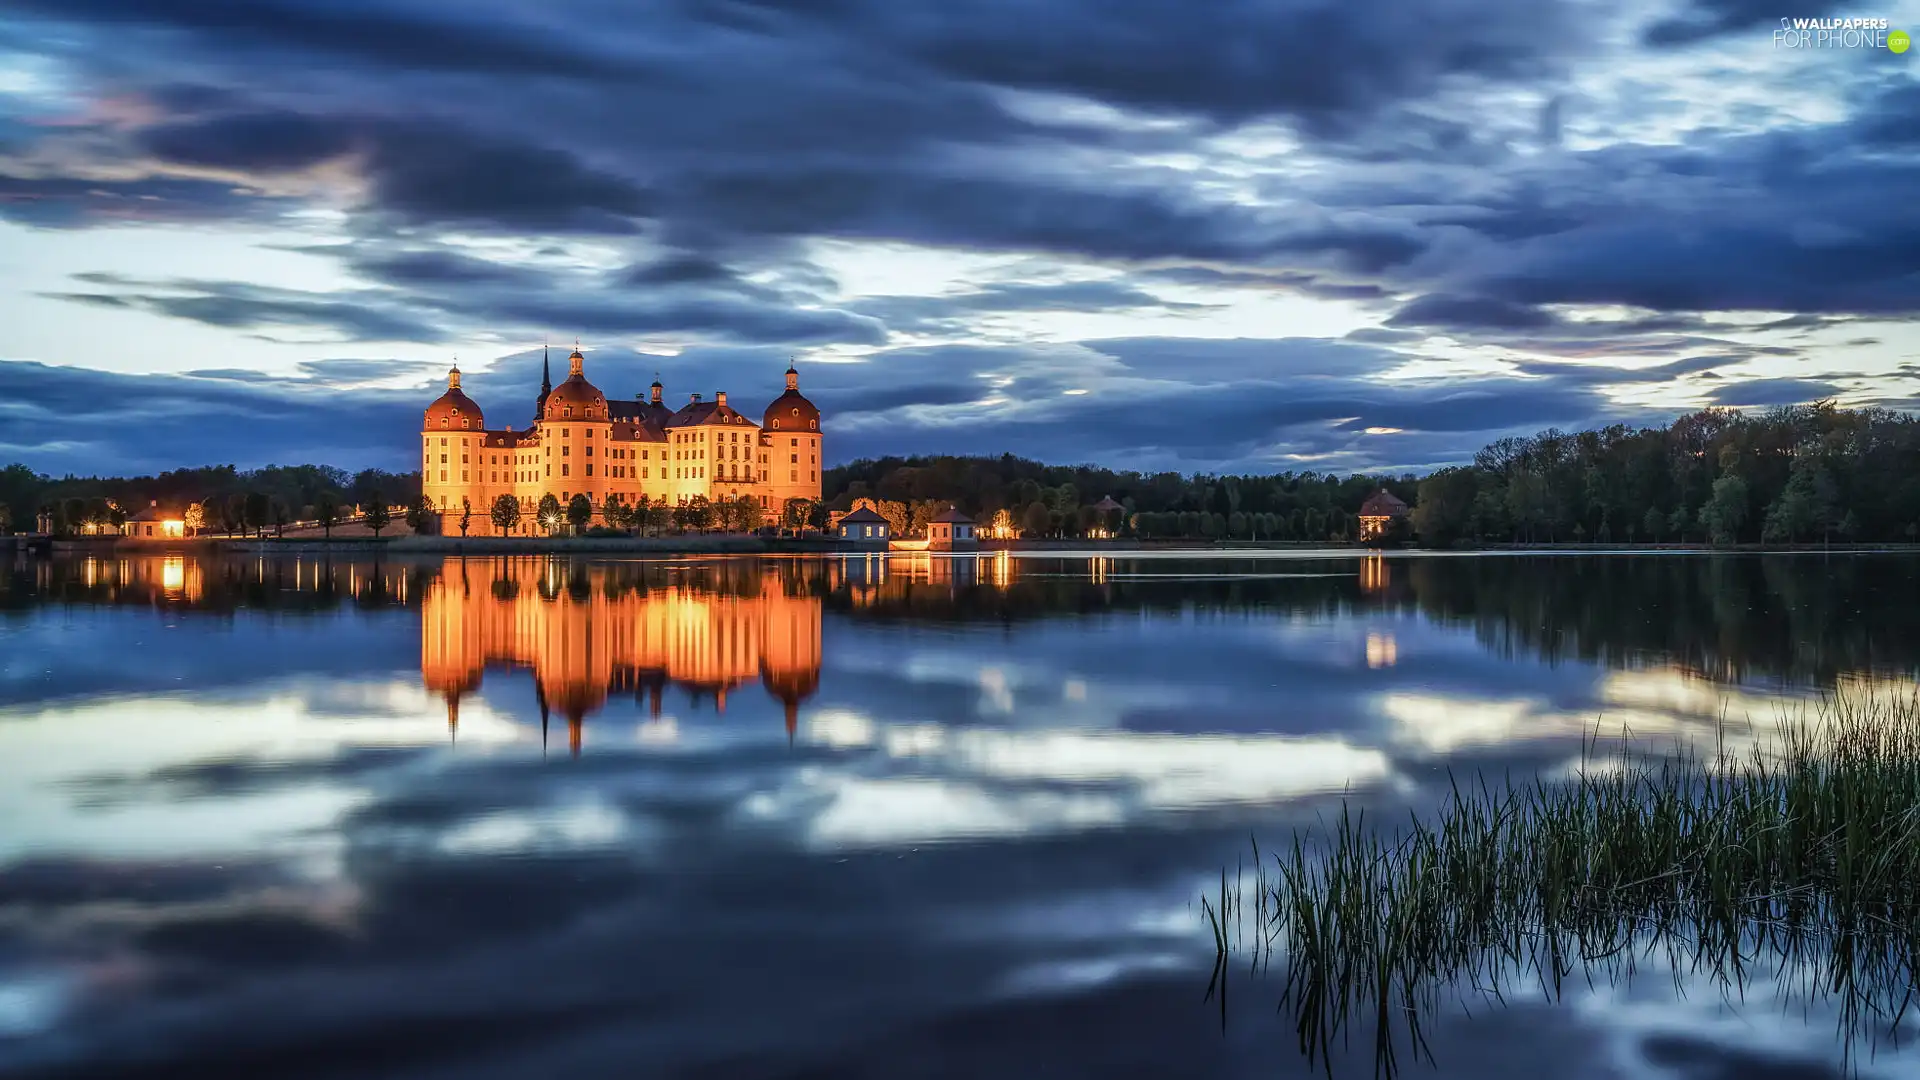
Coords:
pixel 1798 860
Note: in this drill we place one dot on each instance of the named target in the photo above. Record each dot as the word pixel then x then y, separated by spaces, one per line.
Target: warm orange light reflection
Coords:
pixel 1382 651
pixel 173 575
pixel 1373 574
pixel 587 632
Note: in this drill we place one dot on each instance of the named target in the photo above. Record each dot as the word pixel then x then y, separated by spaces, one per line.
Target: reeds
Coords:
pixel 1799 860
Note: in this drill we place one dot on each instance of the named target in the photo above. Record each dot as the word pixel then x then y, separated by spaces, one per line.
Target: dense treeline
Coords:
pixel 1801 619
pixel 232 499
pixel 1795 474
pixel 1055 500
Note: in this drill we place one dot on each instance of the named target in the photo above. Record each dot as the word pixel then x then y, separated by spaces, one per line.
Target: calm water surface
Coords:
pixel 870 817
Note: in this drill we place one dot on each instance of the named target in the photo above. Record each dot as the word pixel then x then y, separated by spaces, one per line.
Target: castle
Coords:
pixel 582 443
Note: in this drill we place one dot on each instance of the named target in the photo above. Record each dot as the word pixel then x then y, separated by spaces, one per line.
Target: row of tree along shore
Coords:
pixel 1798 474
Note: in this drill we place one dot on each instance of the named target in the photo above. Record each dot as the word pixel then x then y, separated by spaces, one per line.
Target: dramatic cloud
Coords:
pixel 1433 187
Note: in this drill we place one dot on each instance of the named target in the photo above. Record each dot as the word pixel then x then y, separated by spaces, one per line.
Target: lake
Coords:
pixel 907 816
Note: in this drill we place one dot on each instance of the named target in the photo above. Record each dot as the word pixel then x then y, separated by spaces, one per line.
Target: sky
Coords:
pixel 1192 235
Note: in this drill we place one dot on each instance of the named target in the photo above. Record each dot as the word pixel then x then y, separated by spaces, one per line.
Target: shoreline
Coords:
pixel 735 544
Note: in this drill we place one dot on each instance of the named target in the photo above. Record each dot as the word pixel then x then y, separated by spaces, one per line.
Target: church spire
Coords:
pixel 546 382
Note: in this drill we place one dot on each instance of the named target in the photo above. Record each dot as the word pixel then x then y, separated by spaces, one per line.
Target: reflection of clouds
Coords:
pixel 587 825
pixel 996 696
pixel 1647 1029
pixel 1659 707
pixel 95 779
pixel 30 1004
pixel 886 813
pixel 978 782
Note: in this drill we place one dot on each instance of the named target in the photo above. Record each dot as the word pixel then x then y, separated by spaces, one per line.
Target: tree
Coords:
pixel 259 510
pixel 326 511
pixel 1001 524
pixel 579 512
pixel 466 516
pixel 699 513
pixel 6 519
pixel 659 517
pixel 379 515
pixel 506 513
pixel 1443 513
pixel 613 511
pixel 748 513
pixel 549 513
pixel 235 517
pixel 1726 511
pixel 1035 520
pixel 794 513
pixel 195 518
pixel 281 515
pixel 1654 524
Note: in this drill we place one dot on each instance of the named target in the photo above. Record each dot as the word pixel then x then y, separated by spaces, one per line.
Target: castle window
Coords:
pixel 776 423
pixel 443 440
pixel 466 424
pixel 811 424
pixel 564 432
pixel 589 449
pixel 566 410
pixel 563 470
pixel 566 451
pixel 443 459
pixel 589 468
pixel 444 422
pixel 796 412
pixel 793 442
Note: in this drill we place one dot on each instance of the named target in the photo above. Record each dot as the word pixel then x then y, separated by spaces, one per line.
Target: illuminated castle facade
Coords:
pixel 583 443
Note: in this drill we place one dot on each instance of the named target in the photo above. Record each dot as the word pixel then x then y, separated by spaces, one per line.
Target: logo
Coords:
pixel 1840 34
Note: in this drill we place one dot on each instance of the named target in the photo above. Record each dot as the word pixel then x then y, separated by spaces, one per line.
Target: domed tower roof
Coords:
pixel 790 411
pixel 576 398
pixel 453 410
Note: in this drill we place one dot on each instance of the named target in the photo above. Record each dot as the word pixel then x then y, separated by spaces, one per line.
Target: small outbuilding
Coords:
pixel 1378 514
pixel 951 530
pixel 156 522
pixel 864 526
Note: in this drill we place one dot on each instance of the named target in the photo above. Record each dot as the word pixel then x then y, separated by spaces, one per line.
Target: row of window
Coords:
pixel 566 497
pixel 621 472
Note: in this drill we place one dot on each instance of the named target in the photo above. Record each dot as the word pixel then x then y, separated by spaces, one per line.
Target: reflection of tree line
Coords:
pixel 1728 617
pixel 209 585
pixel 1795 618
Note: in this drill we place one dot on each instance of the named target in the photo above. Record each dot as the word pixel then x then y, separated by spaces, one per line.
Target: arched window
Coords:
pixel 466 423
pixel 811 424
pixel 566 410
pixel 796 411
pixel 444 422
pixel 776 423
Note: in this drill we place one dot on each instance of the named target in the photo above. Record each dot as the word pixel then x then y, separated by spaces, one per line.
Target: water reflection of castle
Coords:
pixel 588 632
